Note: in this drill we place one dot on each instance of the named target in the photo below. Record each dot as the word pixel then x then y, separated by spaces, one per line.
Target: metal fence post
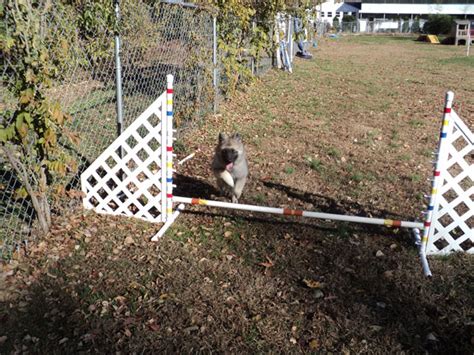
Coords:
pixel 214 61
pixel 254 25
pixel 118 71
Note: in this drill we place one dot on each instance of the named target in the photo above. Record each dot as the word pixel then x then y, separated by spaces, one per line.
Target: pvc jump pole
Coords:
pixel 171 216
pixel 302 213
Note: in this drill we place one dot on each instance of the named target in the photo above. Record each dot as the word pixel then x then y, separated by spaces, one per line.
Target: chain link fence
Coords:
pixel 168 37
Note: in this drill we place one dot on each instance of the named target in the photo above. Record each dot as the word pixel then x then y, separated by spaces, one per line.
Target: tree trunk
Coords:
pixel 38 198
pixel 44 197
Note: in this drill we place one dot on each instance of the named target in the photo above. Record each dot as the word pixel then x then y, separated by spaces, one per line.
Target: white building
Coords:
pixel 390 9
pixel 331 9
pixel 393 15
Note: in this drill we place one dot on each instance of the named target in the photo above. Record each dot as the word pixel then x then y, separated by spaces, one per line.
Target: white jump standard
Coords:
pixel 140 182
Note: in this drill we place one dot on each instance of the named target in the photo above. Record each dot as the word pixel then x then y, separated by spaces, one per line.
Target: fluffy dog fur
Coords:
pixel 230 165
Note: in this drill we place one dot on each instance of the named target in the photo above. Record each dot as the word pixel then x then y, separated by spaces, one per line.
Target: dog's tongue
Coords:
pixel 229 166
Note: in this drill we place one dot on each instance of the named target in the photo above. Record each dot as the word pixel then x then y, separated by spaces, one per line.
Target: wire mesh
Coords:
pixel 168 37
pixel 165 39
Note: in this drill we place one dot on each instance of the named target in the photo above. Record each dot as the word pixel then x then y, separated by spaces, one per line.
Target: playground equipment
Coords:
pixel 433 39
pixel 134 177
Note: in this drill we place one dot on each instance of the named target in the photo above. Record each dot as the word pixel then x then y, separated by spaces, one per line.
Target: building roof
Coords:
pixel 347 8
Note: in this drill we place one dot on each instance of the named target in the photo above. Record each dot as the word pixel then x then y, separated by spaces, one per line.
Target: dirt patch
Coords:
pixel 349 132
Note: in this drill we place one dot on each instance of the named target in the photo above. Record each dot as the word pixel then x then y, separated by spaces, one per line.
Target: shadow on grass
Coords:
pixel 188 296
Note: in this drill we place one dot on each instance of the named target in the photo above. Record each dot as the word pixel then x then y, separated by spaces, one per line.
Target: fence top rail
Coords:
pixel 180 3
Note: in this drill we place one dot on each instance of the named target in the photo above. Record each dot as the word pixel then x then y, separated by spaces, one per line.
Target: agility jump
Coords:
pixel 134 177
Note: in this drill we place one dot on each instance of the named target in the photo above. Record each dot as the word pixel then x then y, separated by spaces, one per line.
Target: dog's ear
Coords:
pixel 222 137
pixel 237 136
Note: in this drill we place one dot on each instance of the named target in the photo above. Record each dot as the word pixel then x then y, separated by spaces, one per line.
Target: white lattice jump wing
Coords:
pixel 129 177
pixel 450 223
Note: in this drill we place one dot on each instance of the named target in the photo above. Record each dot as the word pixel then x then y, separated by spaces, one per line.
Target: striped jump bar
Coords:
pixel 290 212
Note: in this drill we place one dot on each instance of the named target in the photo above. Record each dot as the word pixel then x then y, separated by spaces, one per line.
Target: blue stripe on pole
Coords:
pixel 169 180
pixel 430 208
pixel 444 134
pixel 169 113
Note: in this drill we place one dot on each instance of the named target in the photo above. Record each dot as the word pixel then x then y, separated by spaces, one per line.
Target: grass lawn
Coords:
pixel 350 131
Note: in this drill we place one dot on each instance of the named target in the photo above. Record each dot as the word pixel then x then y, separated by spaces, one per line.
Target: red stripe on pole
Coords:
pixel 447 110
pixel 195 201
pixel 290 212
pixel 169 149
pixel 427 224
pixel 396 223
pixel 437 173
pixel 169 195
pixel 169 91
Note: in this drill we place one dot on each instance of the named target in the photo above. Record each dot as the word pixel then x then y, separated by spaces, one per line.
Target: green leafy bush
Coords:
pixel 33 55
pixel 438 24
pixel 348 18
pixel 336 24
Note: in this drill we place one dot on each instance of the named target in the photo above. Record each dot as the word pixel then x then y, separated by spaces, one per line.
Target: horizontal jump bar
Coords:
pixel 290 212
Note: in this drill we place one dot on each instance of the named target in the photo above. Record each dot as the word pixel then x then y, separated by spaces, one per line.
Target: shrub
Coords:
pixel 438 24
pixel 335 23
pixel 348 18
pixel 415 28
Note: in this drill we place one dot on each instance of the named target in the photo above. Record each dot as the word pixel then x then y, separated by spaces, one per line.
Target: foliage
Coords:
pixel 335 24
pixel 244 29
pixel 438 24
pixel 406 25
pixel 348 18
pixel 416 28
pixel 30 130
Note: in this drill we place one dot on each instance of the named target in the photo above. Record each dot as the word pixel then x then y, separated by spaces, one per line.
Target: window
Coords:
pixel 338 14
pixel 329 14
pixel 322 14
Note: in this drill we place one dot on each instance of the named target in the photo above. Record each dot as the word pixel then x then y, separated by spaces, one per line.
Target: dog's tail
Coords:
pixel 228 179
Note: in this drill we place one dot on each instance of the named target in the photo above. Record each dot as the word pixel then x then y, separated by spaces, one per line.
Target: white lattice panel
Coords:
pixel 452 224
pixel 128 177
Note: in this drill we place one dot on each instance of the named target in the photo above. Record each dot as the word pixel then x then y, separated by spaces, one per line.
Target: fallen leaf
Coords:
pixel 128 333
pixel 267 264
pixel 312 283
pixel 314 344
pixel 129 241
pixel 375 328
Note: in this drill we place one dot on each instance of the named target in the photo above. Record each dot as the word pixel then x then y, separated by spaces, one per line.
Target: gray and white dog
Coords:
pixel 230 165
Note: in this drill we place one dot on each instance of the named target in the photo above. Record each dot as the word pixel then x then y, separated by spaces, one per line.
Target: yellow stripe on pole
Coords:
pixel 169 102
pixel 169 164
pixel 445 122
pixel 388 222
pixel 434 191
